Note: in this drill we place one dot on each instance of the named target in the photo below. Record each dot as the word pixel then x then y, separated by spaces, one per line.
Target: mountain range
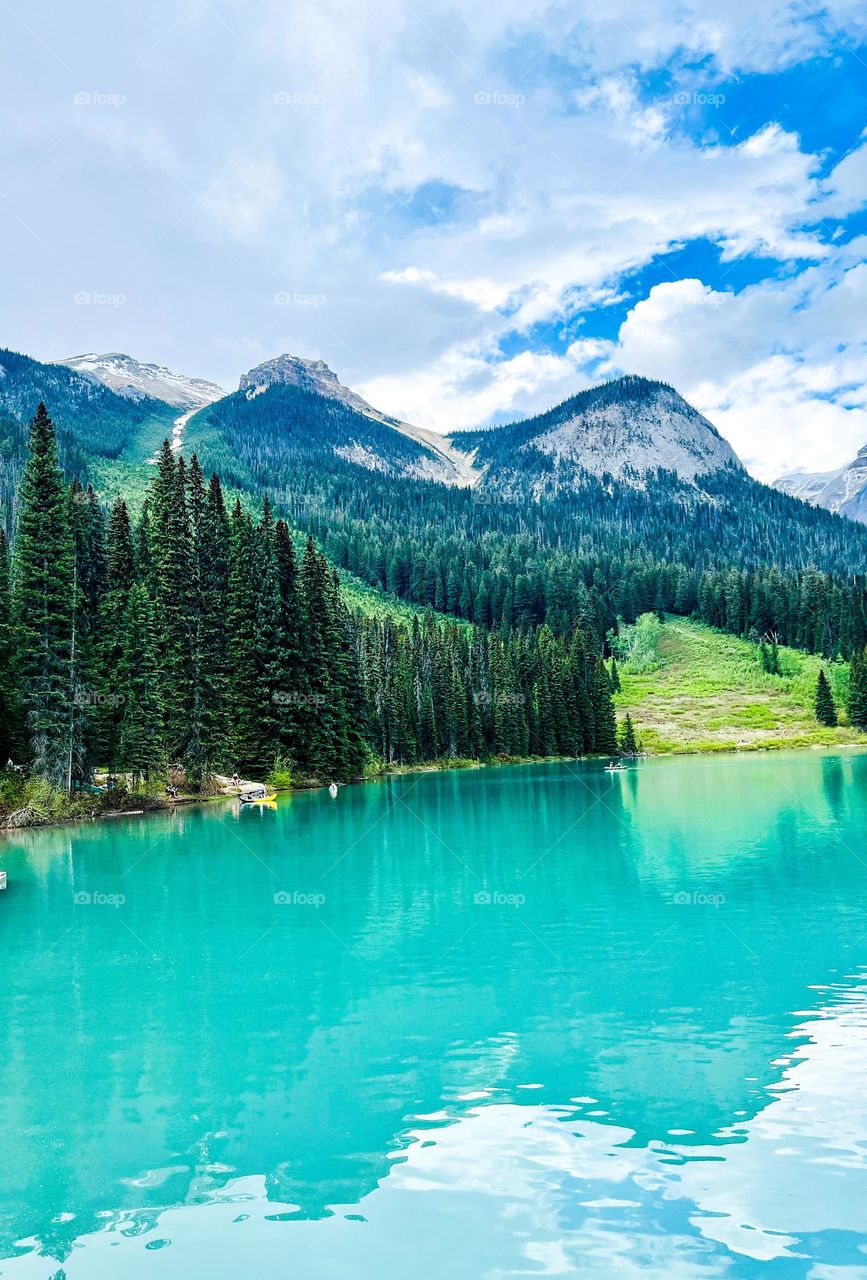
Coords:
pixel 624 429
pixel 292 426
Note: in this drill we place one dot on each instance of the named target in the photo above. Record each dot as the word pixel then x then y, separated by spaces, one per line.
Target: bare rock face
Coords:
pixel 627 438
pixel 625 430
pixel 312 375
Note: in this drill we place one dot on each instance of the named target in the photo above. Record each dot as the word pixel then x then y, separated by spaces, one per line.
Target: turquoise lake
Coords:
pixel 526 1021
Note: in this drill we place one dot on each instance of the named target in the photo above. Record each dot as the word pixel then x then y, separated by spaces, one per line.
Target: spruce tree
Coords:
pixel 120 576
pixel 120 554
pixel 93 682
pixel 211 553
pixel 140 747
pixel 346 684
pixel 244 703
pixel 290 709
pixel 271 677
pixel 603 710
pixel 857 704
pixel 628 745
pixel 44 604
pixel 196 756
pixel 318 730
pixel 826 711
pixel 175 588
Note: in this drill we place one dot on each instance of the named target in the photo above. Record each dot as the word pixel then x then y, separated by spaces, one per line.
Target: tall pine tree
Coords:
pixel 826 711
pixel 44 607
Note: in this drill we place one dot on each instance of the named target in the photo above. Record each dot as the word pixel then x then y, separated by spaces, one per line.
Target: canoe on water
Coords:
pixel 258 797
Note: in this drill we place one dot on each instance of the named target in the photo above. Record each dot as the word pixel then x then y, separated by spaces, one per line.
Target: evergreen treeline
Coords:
pixel 497 580
pixel 202 638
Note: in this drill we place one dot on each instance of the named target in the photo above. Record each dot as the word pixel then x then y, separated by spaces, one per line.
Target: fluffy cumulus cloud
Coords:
pixel 440 201
pixel 465 389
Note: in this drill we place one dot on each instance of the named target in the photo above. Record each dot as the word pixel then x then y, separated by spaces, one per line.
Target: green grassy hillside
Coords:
pixel 709 693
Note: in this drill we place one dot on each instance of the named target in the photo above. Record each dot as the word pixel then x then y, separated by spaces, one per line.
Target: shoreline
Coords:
pixel 185 801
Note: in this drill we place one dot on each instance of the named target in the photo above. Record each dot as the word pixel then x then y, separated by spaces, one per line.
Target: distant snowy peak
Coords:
pixel 843 491
pixel 131 378
pixel 808 485
pixel 439 461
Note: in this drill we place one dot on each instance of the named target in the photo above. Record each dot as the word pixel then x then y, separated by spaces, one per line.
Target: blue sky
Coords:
pixel 468 214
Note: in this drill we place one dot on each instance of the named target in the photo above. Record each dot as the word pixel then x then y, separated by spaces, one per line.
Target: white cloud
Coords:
pixel 846 186
pixel 551 175
pixel 245 197
pixel 462 389
pixel 779 368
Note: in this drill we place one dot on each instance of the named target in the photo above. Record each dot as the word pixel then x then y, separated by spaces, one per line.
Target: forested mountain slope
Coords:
pixel 92 421
pixel 285 411
pixel 621 499
pixel 539 538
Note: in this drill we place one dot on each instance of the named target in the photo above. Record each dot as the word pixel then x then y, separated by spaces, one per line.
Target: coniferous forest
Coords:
pixel 203 635
pixel 737 555
pixel 206 640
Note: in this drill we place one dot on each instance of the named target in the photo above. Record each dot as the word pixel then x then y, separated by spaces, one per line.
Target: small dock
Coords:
pixel 2 879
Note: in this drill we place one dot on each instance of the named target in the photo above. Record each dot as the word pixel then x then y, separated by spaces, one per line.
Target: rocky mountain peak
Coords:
pixel 135 379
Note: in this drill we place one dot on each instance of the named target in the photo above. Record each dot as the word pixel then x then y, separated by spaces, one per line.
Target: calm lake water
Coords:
pixel 511 1022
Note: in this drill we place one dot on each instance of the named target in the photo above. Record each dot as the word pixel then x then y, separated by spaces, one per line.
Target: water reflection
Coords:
pixel 599 1073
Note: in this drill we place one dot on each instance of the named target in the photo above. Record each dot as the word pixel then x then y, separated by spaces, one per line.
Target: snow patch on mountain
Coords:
pixel 136 380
